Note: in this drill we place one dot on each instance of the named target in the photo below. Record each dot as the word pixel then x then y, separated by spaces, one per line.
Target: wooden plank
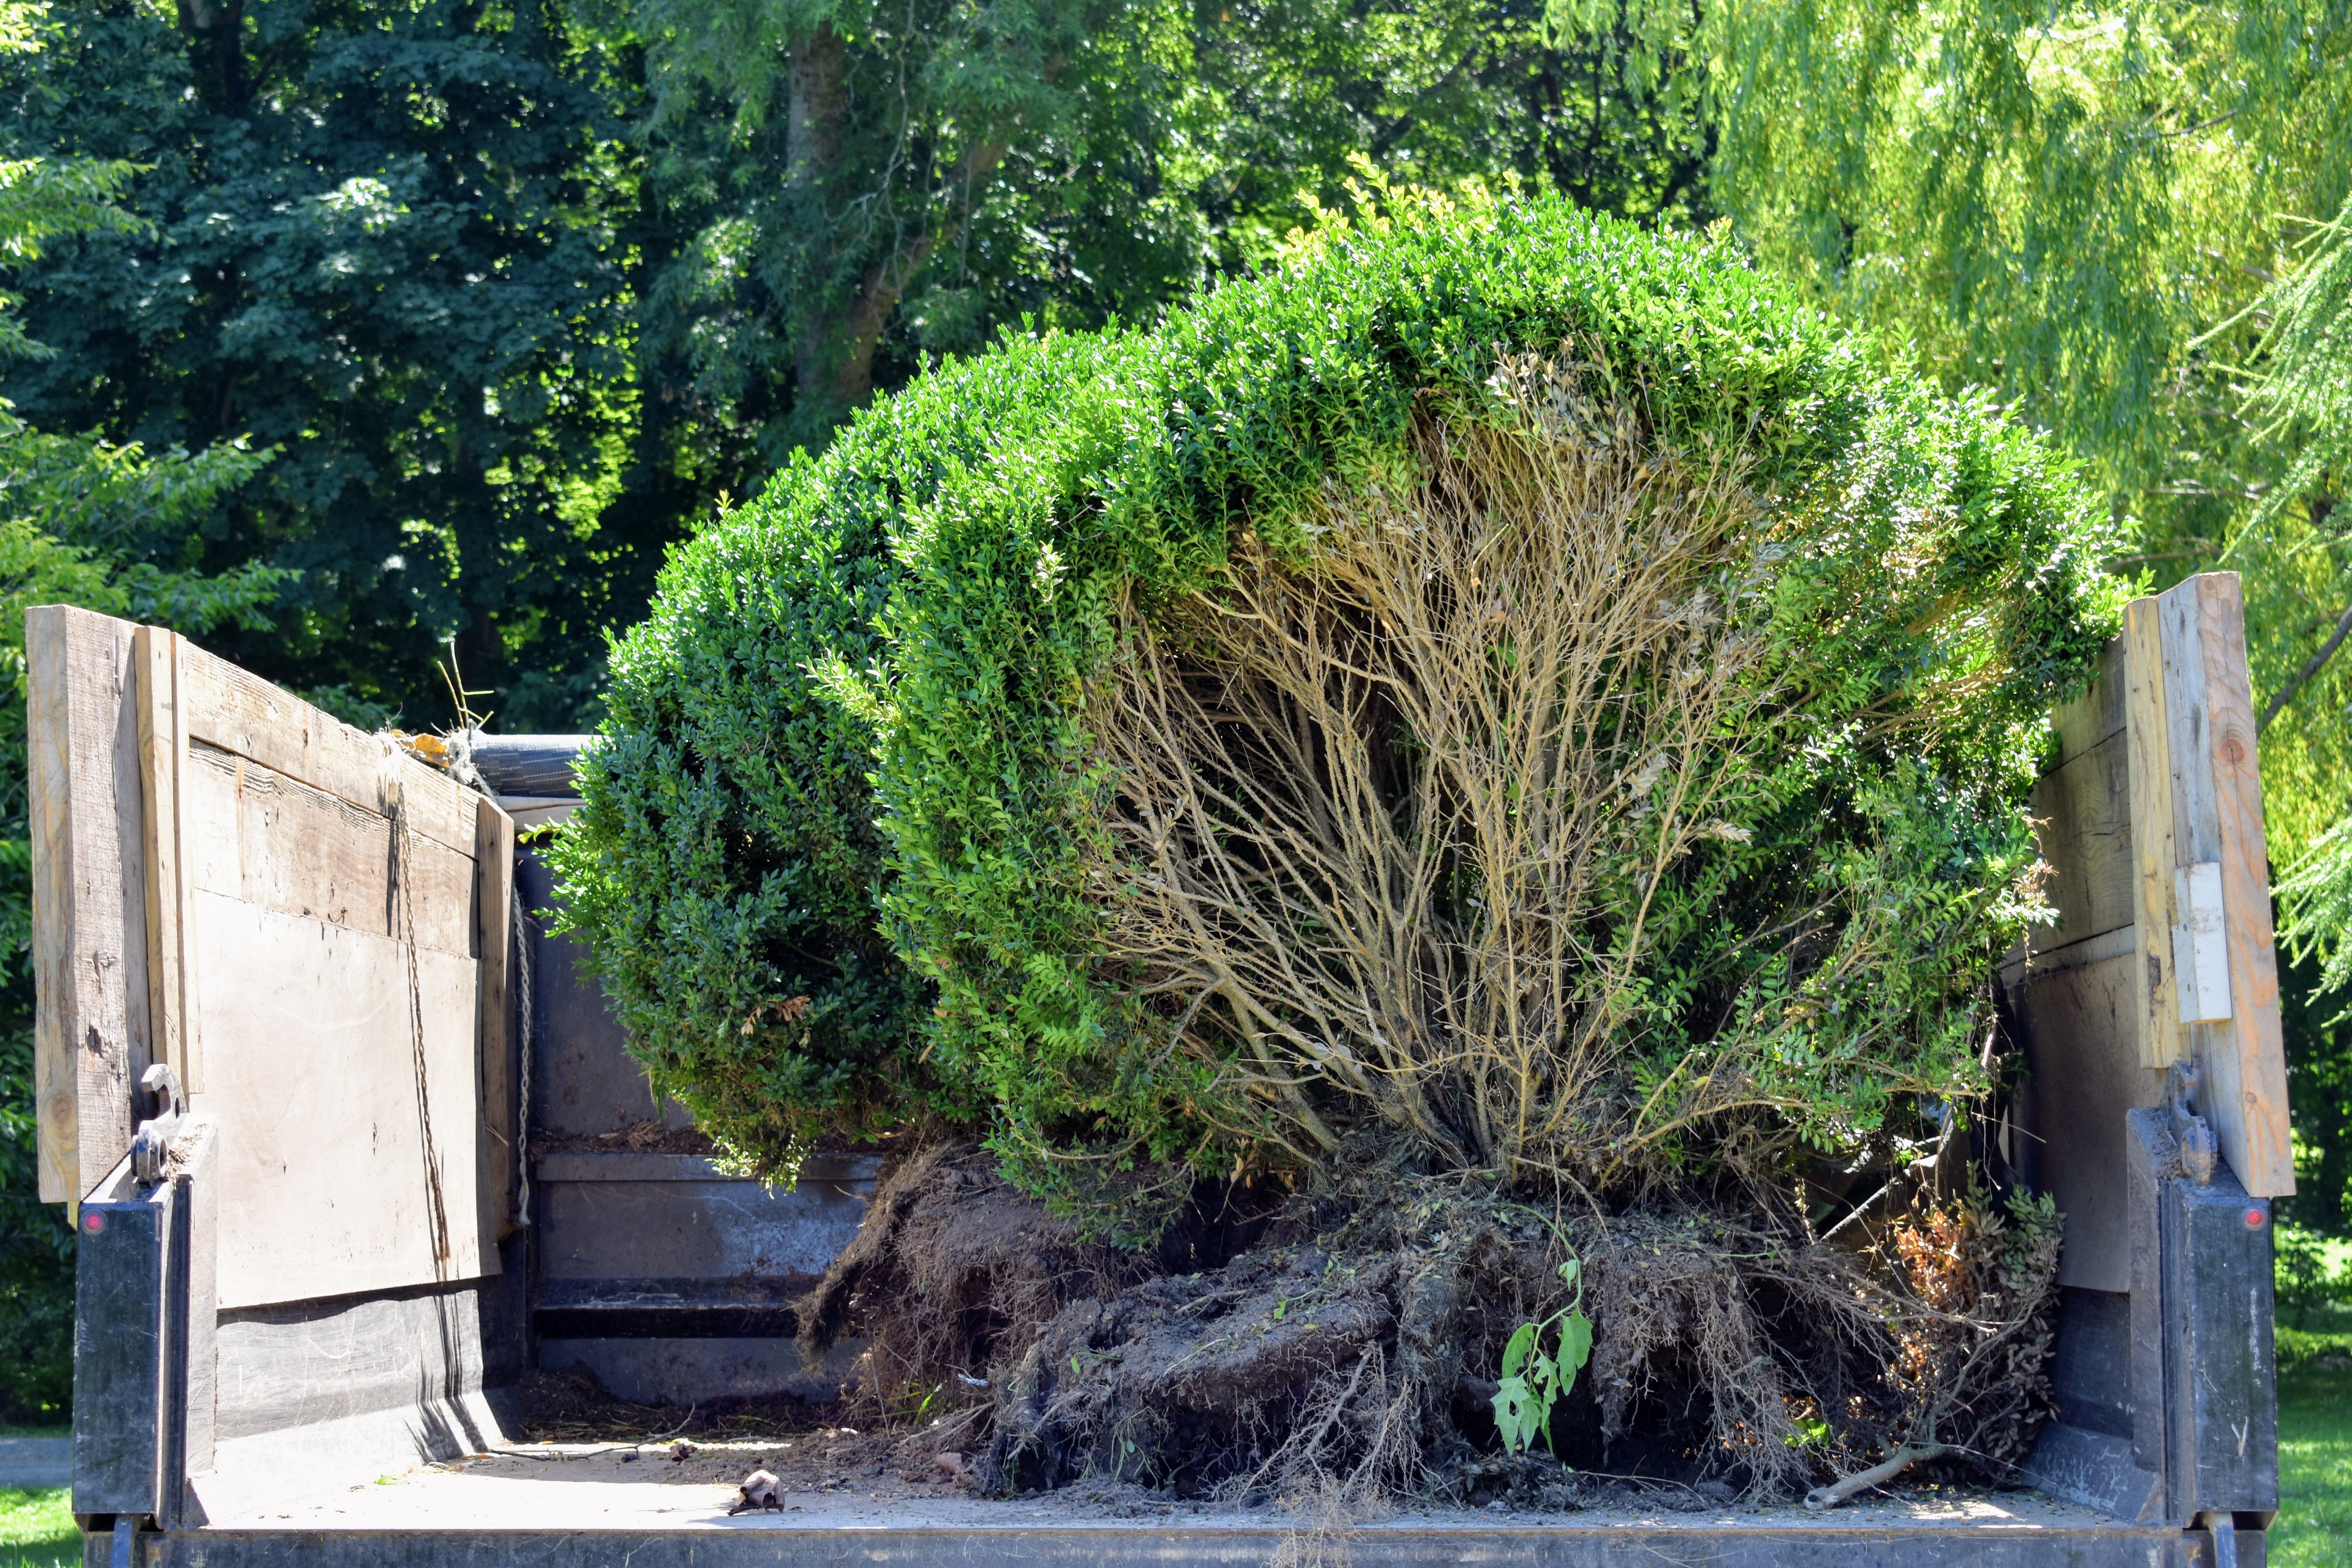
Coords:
pixel 2082 815
pixel 262 838
pixel 89 898
pixel 244 714
pixel 2218 816
pixel 162 753
pixel 2085 1076
pixel 49 809
pixel 324 1178
pixel 2095 713
pixel 493 896
pixel 2162 1040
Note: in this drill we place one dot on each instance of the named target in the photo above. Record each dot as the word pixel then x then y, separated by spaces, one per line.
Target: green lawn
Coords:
pixel 36 1529
pixel 2314 1389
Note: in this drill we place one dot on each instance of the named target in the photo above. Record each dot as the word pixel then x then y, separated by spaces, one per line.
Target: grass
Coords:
pixel 36 1529
pixel 2315 1407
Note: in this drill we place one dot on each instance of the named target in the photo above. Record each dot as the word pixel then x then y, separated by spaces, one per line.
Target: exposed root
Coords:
pixel 1731 1359
pixel 1361 1367
pixel 1822 1499
pixel 951 1264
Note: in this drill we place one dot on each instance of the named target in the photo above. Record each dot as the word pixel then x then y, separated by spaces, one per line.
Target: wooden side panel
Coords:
pixel 244 714
pixel 328 1169
pixel 493 896
pixel 258 836
pixel 2098 712
pixel 90 893
pixel 2083 817
pixel 163 753
pixel 2218 816
pixel 2162 1040
pixel 2085 1079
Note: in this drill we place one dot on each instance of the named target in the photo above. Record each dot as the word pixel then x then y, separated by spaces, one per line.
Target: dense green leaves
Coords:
pixel 1938 592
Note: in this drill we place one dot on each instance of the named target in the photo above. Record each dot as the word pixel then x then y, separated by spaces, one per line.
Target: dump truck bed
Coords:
pixel 594 1511
pixel 417 1167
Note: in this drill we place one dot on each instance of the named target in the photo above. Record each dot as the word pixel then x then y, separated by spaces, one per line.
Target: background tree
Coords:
pixel 70 508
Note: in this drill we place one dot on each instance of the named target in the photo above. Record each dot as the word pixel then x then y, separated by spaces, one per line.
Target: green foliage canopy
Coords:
pixel 1031 487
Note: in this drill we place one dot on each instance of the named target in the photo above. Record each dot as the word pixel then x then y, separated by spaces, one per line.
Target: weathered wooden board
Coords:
pixel 266 839
pixel 2217 816
pixel 326 1183
pixel 2161 1038
pixel 90 893
pixel 2083 825
pixel 2084 1077
pixel 2096 713
pixel 493 900
pixel 162 753
pixel 244 714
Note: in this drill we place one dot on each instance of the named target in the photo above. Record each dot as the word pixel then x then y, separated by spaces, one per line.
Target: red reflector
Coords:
pixel 93 1221
pixel 2254 1219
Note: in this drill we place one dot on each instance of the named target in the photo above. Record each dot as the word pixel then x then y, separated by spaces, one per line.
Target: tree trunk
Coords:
pixel 816 81
pixel 215 34
pixel 833 355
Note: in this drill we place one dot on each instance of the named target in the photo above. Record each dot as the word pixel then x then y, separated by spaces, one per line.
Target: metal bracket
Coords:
pixel 153 1141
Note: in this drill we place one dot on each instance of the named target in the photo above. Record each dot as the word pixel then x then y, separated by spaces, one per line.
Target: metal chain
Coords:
pixel 522 918
pixel 403 857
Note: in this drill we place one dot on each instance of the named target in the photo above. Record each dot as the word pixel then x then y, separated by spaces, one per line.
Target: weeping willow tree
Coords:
pixel 2308 395
pixel 2085 209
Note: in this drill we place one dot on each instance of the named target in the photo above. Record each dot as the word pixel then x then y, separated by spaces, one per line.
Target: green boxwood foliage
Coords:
pixel 928 603
pixel 724 864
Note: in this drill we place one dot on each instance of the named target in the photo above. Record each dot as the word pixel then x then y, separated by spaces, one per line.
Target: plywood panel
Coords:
pixel 244 714
pixel 90 893
pixel 2082 814
pixel 266 839
pixel 326 1179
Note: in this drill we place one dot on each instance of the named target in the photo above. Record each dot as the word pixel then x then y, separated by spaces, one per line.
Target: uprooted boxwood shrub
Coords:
pixel 725 862
pixel 1502 687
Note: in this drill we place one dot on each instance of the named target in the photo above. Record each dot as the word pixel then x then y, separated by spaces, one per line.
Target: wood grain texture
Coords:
pixel 493 894
pixel 324 1188
pixel 244 714
pixel 266 839
pixel 2095 713
pixel 162 755
pixel 2246 1071
pixel 90 893
pixel 2162 1040
pixel 2082 815
pixel 2085 1076
pixel 48 810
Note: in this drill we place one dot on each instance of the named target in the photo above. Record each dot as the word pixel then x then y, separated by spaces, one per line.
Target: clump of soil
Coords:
pixel 1365 1362
pixel 1352 1354
pixel 952 1270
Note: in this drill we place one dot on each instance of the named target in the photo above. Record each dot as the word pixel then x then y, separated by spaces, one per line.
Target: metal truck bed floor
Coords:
pixel 596 1512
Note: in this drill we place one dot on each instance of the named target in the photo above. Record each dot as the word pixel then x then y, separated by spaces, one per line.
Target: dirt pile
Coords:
pixel 951 1272
pixel 1354 1353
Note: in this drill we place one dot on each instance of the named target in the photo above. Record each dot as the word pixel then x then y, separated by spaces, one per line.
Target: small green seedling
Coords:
pixel 1534 1380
